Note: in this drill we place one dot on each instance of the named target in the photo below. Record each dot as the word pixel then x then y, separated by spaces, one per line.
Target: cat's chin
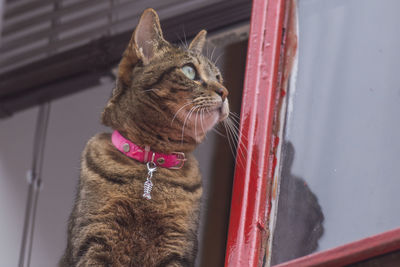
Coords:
pixel 224 111
pixel 208 123
pixel 197 125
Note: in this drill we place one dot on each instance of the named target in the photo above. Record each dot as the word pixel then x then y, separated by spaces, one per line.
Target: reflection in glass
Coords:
pixel 343 122
pixel 299 219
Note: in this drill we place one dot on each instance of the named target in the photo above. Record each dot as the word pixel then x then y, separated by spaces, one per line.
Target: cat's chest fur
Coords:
pixel 139 232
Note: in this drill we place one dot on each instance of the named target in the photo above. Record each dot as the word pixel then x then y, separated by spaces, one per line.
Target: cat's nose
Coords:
pixel 222 92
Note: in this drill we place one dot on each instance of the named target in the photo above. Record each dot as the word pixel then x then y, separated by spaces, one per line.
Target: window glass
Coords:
pixel 340 178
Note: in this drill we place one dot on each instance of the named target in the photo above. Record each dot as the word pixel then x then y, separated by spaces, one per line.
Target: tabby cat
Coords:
pixel 165 100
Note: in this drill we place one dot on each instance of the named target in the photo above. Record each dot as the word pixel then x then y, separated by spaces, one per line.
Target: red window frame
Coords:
pixel 351 253
pixel 253 186
pixel 249 207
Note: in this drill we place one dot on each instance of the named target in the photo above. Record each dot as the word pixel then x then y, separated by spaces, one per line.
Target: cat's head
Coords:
pixel 175 94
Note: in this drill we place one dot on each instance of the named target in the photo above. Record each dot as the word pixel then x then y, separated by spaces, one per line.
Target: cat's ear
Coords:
pixel 198 42
pixel 147 38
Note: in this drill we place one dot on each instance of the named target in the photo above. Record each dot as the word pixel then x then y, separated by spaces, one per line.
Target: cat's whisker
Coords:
pixel 241 150
pixel 234 119
pixel 195 123
pixel 186 118
pixel 216 61
pixel 208 111
pixel 184 36
pixel 207 51
pixel 218 132
pixel 176 113
pixel 212 53
pixel 234 115
pixel 230 134
pixel 229 140
pixel 233 130
pixel 235 124
pixel 183 126
pixel 201 120
pixel 236 145
pixel 180 40
pixel 207 102
pixel 205 98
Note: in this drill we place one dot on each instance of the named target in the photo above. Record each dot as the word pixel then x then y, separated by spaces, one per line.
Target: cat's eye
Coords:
pixel 189 72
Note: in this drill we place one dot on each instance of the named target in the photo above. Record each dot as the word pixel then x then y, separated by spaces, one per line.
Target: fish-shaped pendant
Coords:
pixel 148 185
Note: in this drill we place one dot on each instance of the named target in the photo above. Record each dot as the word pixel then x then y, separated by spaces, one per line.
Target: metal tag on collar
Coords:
pixel 148 185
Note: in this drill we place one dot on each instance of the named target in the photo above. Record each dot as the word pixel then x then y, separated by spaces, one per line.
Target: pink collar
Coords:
pixel 171 161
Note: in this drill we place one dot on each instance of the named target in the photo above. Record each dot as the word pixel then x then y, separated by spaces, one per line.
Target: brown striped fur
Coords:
pixel 153 104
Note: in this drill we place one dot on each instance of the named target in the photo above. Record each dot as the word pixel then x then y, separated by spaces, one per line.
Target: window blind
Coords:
pixel 52 48
pixel 35 29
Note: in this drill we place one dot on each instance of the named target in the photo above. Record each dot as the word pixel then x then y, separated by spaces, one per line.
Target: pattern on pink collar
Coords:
pixel 171 161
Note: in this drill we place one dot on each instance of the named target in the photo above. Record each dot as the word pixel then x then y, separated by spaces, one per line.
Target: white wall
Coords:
pixel 73 120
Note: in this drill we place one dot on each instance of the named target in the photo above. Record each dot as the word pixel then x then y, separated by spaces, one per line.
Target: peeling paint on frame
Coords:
pixel 286 86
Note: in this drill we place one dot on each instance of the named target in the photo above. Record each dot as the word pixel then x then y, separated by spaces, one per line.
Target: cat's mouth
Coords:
pixel 223 110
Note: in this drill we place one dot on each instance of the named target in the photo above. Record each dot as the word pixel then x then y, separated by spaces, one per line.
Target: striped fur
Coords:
pixel 153 104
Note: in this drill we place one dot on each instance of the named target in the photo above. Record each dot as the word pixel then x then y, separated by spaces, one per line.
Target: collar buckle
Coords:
pixel 181 158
